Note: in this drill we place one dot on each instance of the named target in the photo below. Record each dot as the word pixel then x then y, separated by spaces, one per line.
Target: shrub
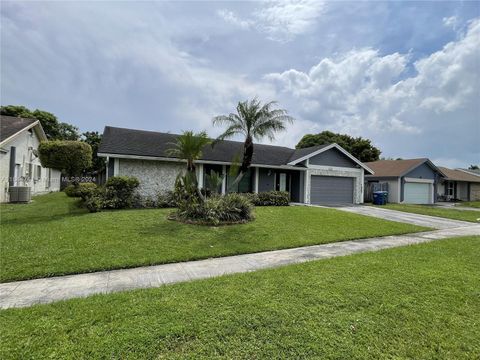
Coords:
pixel 231 208
pixel 94 202
pixel 71 191
pixel 166 199
pixel 270 198
pixel 81 190
pixel 119 192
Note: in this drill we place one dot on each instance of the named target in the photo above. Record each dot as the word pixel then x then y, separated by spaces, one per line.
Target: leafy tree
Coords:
pixel 254 121
pixel 473 167
pixel 71 157
pixel 93 138
pixel 359 147
pixel 54 129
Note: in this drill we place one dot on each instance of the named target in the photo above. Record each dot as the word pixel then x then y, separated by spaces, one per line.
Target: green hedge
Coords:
pixel 270 198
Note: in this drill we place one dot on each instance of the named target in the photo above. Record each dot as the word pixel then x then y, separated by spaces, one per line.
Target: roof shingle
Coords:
pixel 394 168
pixel 457 175
pixel 122 141
pixel 10 125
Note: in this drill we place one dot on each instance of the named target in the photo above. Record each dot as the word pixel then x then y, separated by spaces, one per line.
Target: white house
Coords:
pixel 19 162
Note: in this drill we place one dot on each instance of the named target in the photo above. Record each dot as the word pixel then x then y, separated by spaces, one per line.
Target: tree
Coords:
pixel 93 138
pixel 359 147
pixel 254 121
pixel 54 129
pixel 189 147
pixel 71 157
pixel 473 167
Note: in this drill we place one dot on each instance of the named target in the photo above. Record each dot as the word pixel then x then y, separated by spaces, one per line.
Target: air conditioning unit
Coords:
pixel 20 194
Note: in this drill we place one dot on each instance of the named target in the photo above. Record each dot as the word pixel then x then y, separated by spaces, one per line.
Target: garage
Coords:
pixel 417 193
pixel 331 190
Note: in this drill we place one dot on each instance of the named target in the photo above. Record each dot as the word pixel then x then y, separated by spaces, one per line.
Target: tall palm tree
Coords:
pixel 189 146
pixel 254 121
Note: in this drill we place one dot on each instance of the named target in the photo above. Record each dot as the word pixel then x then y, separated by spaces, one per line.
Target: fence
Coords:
pixel 371 187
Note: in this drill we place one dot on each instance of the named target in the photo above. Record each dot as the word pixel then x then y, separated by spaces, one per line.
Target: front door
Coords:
pixel 282 182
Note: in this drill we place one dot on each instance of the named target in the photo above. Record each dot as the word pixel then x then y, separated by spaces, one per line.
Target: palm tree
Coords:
pixel 189 146
pixel 254 121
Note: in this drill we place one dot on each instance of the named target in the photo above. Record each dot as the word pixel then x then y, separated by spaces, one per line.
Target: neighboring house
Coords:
pixel 459 185
pixel 19 163
pixel 324 174
pixel 412 181
pixel 471 171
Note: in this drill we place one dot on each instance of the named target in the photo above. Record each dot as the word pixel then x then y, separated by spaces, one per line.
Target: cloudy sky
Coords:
pixel 406 74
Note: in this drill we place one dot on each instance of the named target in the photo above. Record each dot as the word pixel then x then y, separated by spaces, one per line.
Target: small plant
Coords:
pixel 269 198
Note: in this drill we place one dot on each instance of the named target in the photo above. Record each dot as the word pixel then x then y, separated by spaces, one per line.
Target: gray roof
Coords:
pixel 10 125
pixel 122 141
pixel 471 171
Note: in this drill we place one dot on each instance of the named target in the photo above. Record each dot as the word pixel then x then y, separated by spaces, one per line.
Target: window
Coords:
pixel 38 172
pixel 450 188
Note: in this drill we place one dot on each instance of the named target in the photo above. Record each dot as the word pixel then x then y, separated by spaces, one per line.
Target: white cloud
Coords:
pixel 451 22
pixel 286 19
pixel 365 93
pixel 231 18
pixel 280 20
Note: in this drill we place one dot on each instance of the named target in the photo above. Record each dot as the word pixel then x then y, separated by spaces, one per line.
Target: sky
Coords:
pixel 404 74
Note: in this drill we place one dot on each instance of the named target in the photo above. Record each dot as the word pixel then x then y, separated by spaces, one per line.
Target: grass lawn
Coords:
pixel 449 213
pixel 474 204
pixel 415 302
pixel 53 236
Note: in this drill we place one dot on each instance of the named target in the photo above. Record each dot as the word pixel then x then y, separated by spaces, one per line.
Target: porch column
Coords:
pixel 306 182
pixel 200 175
pixel 257 172
pixel 224 179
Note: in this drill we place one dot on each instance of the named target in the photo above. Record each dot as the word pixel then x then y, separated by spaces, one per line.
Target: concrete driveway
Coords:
pixel 404 217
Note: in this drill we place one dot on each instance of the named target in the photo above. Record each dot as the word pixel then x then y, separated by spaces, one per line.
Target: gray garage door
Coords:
pixel 331 190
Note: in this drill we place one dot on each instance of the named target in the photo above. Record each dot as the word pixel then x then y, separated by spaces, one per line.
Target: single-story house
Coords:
pixel 412 181
pixel 19 163
pixel 458 185
pixel 325 174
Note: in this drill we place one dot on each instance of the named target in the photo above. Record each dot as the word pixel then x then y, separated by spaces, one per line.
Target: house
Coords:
pixel 412 181
pixel 325 174
pixel 19 163
pixel 459 185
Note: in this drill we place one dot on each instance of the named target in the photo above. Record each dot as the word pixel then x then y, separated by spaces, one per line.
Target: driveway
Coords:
pixel 409 218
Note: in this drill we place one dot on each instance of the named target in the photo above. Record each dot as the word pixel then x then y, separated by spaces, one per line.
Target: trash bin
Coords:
pixel 380 197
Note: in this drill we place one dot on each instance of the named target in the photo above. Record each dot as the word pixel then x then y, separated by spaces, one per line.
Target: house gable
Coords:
pixel 423 171
pixel 332 157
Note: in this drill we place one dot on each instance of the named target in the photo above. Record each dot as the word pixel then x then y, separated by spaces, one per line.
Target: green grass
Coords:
pixel 415 302
pixel 474 204
pixel 454 214
pixel 53 236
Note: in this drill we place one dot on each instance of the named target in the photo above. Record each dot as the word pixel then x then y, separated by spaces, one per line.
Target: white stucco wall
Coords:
pixel 357 174
pixel 24 143
pixel 154 176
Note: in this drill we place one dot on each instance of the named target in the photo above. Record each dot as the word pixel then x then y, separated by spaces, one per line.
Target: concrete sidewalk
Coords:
pixel 30 292
pixel 405 217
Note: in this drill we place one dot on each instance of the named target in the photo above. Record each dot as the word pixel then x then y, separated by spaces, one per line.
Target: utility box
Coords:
pixel 20 194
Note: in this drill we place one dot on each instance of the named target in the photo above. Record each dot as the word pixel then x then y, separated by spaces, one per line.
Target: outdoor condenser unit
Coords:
pixel 20 194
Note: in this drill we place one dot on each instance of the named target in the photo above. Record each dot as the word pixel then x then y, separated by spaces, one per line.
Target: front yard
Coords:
pixel 53 236
pixel 473 204
pixel 415 302
pixel 455 214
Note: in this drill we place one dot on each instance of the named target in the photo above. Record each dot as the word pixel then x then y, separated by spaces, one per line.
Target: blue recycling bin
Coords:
pixel 380 197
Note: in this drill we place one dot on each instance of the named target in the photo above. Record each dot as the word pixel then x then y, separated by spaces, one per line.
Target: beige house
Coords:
pixel 19 162
pixel 459 185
